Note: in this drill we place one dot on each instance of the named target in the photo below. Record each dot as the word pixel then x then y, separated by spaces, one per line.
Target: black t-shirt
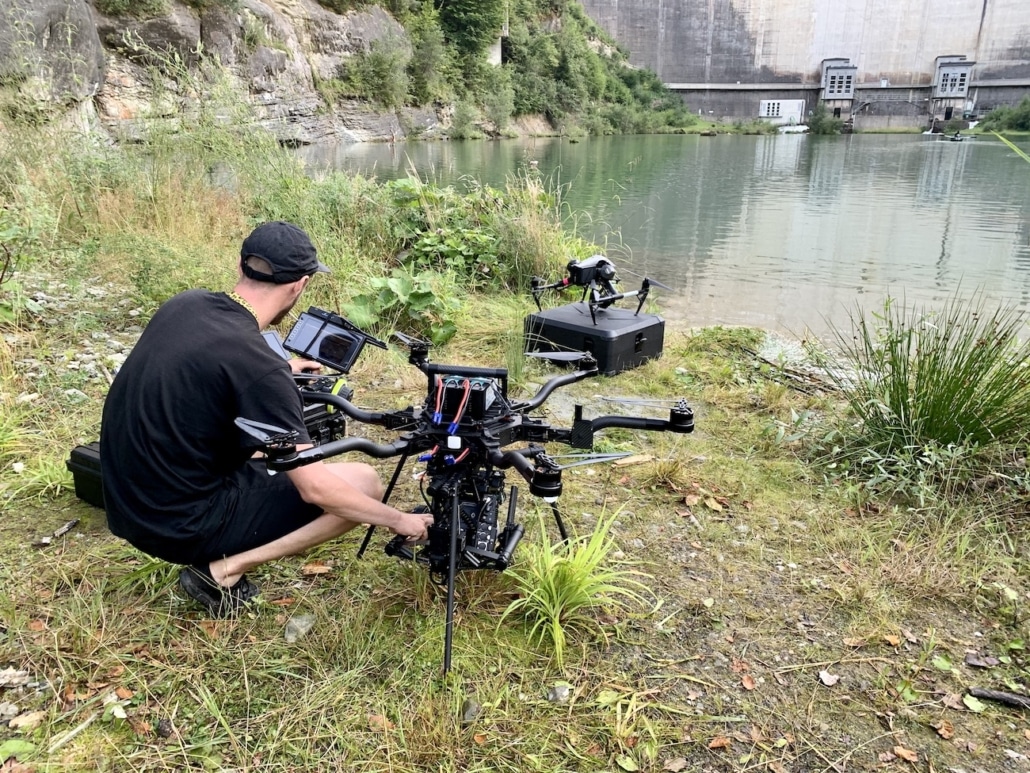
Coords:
pixel 168 443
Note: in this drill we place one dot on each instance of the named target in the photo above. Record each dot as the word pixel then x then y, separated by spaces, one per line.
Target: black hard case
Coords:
pixel 620 339
pixel 84 464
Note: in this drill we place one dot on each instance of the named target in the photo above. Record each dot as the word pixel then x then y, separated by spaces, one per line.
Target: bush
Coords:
pixel 926 385
pixel 141 9
pixel 821 122
pixel 1008 118
pixel 379 74
pixel 463 122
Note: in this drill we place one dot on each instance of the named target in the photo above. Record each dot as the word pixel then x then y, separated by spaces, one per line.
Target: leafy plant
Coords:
pixel 379 74
pixel 560 585
pixel 142 9
pixel 408 302
pixel 821 122
pixel 1008 118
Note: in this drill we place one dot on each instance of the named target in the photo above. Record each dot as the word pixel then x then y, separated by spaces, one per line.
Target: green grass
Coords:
pixel 753 561
pixel 561 584
pixel 931 392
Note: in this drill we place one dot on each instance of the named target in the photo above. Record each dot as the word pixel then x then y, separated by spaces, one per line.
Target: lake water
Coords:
pixel 785 232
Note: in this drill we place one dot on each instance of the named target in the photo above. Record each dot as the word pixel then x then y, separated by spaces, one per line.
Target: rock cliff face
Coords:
pixel 121 72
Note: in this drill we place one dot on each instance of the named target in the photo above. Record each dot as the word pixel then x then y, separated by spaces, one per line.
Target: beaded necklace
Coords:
pixel 243 302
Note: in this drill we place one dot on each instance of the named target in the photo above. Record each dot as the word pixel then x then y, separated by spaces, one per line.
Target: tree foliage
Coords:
pixel 821 122
pixel 471 25
pixel 1008 118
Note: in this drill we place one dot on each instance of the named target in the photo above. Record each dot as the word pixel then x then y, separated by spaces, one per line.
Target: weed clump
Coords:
pixel 934 397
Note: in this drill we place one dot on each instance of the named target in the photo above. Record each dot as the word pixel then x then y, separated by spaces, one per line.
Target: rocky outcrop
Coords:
pixel 50 50
pixel 272 54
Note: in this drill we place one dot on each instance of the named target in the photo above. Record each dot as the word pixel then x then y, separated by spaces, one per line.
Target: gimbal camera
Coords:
pixel 598 277
pixel 461 432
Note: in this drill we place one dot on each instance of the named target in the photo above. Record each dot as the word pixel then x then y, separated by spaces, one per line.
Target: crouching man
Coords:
pixel 179 479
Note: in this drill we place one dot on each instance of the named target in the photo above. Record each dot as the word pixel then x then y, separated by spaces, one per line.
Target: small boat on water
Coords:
pixel 956 137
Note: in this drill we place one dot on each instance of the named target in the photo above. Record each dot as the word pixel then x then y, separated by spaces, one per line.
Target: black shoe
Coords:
pixel 197 583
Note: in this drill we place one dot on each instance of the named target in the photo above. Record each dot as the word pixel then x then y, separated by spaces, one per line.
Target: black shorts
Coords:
pixel 256 509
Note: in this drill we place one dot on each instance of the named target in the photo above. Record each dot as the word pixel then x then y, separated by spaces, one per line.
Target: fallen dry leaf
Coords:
pixel 853 642
pixel 712 504
pixel 828 679
pixel 283 602
pixel 748 682
pixel 944 728
pixel 675 766
pixel 906 754
pixel 892 639
pixel 379 724
pixel 719 742
pixel 691 499
pixel 123 693
pixel 315 567
pixel 479 738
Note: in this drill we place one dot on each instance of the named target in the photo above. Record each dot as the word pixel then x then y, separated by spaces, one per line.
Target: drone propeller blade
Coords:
pixel 260 431
pixel 582 459
pixel 656 283
pixel 641 401
pixel 558 356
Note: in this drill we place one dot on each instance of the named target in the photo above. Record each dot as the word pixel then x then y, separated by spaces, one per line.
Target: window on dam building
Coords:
pixel 840 86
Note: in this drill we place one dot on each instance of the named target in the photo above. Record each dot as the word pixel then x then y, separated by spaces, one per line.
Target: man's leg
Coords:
pixel 228 570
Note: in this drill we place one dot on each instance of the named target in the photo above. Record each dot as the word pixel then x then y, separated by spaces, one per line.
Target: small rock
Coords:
pixel 559 692
pixel 470 710
pixel 8 710
pixel 164 728
pixel 298 626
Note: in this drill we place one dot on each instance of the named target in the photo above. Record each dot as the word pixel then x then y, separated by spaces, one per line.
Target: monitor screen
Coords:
pixel 326 341
pixel 275 343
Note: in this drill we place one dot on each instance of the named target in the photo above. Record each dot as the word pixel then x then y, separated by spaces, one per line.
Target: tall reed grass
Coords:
pixel 932 391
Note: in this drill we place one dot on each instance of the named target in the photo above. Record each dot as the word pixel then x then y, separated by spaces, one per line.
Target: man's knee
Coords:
pixel 362 476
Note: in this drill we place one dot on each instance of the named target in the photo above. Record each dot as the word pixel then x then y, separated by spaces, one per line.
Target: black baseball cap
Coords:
pixel 287 250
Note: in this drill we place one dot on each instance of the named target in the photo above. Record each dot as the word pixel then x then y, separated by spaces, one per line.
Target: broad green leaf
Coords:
pixel 626 762
pixel 15 747
pixel 974 704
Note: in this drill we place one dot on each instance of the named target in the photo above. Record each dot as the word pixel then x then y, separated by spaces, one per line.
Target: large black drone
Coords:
pixel 460 432
pixel 598 278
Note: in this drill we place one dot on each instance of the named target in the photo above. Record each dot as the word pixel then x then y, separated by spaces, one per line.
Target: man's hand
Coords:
pixel 300 365
pixel 414 526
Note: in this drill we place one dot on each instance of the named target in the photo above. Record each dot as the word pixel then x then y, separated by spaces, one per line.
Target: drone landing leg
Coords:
pixel 386 498
pixel 561 524
pixel 452 570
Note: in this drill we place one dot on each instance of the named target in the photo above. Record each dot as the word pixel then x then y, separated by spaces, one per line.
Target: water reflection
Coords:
pixel 781 232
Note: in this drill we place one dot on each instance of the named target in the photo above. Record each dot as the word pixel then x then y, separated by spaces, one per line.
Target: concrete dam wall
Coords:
pixel 719 51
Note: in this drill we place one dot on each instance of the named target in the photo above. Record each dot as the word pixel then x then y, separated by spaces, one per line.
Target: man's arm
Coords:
pixel 318 485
